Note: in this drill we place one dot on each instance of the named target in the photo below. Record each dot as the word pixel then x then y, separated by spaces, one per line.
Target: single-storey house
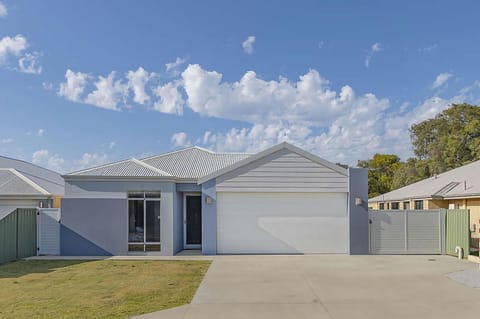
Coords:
pixel 25 185
pixel 458 188
pixel 282 200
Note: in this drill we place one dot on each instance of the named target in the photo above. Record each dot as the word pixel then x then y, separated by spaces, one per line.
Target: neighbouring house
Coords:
pixel 458 188
pixel 283 200
pixel 26 230
pixel 25 185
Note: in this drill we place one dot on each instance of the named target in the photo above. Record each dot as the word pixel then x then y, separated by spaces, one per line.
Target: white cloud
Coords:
pixel 7 140
pixel 254 100
pixel 73 88
pixel 338 124
pixel 247 45
pixel 375 48
pixel 112 145
pixel 109 93
pixel 90 160
pixel 40 132
pixel 51 161
pixel 29 63
pixel 12 46
pixel 3 10
pixel 170 99
pixel 172 67
pixel 180 139
pixel 136 82
pixel 441 79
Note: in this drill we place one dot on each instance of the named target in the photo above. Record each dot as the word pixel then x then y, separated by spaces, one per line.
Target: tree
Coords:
pixel 449 140
pixel 381 169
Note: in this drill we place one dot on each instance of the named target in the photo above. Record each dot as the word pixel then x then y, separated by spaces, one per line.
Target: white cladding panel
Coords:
pixel 283 171
pixel 282 223
pixel 49 231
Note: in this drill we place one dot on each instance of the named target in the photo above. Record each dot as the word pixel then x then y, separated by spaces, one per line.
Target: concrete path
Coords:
pixel 297 287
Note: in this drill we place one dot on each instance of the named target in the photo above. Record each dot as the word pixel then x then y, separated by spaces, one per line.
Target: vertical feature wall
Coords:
pixel 358 214
pixel 209 218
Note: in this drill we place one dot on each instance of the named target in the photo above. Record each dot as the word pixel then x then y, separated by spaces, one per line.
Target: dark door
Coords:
pixel 193 220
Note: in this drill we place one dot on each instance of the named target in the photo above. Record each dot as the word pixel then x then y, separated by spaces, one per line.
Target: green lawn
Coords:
pixel 96 289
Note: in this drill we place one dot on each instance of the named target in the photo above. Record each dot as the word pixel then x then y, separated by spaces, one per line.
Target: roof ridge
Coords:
pixel 151 167
pixel 29 181
pixel 192 147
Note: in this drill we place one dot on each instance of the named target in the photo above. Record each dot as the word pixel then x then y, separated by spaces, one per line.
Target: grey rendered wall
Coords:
pixel 209 219
pixel 283 171
pixel 177 222
pixel 93 227
pixel 358 215
pixel 114 193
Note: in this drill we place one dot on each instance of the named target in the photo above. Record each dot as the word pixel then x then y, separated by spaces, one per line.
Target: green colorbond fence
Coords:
pixel 457 231
pixel 18 235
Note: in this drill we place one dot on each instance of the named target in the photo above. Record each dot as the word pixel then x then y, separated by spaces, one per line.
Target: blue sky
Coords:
pixel 88 82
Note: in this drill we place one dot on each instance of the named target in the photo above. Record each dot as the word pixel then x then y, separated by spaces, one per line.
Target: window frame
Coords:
pixel 145 199
pixel 418 201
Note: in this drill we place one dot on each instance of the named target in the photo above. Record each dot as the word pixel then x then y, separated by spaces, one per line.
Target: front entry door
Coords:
pixel 193 221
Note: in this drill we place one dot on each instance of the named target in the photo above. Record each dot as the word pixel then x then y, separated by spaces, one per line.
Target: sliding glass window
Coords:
pixel 144 221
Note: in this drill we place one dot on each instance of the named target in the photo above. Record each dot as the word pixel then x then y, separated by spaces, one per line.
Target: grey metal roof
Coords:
pixel 13 183
pixel 127 168
pixel 49 180
pixel 459 182
pixel 188 164
pixel 193 162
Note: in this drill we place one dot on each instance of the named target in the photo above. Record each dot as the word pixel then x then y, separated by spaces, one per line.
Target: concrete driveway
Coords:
pixel 296 287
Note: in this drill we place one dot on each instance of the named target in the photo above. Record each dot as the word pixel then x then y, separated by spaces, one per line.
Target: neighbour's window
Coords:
pixel 418 204
pixel 406 205
pixel 395 205
pixel 381 205
pixel 388 205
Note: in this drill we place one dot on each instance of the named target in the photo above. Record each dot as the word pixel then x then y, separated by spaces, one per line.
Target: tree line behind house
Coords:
pixel 449 140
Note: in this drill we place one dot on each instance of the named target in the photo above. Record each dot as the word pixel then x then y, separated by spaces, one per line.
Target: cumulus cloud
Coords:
pixel 29 63
pixel 55 162
pixel 375 48
pixel 136 82
pixel 247 45
pixel 7 140
pixel 73 88
pixel 172 67
pixel 46 159
pixel 170 99
pixel 441 79
pixel 254 100
pixel 109 93
pixel 90 160
pixel 339 124
pixel 40 132
pixel 12 47
pixel 3 10
pixel 180 139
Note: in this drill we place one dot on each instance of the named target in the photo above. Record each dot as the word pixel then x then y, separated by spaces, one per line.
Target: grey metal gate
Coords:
pixel 407 231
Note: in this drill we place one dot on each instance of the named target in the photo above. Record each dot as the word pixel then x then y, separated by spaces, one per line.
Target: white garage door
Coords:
pixel 282 223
